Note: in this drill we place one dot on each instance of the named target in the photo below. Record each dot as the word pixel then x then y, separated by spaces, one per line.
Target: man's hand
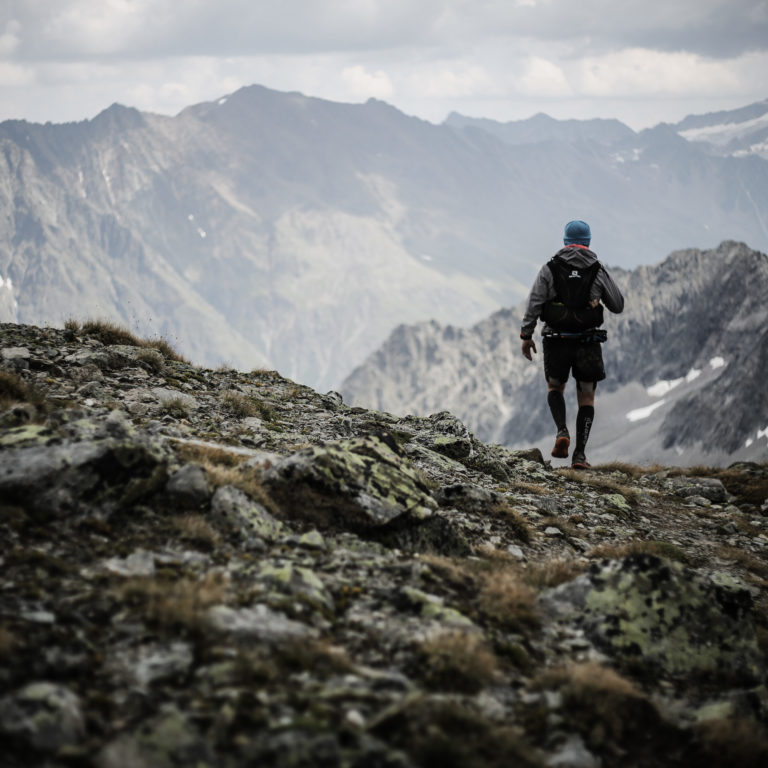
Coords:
pixel 528 346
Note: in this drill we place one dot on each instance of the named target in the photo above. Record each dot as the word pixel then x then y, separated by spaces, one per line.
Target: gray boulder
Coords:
pixel 657 616
pixel 45 715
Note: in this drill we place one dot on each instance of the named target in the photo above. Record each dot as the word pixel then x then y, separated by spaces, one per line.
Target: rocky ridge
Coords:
pixel 274 229
pixel 221 569
pixel 694 325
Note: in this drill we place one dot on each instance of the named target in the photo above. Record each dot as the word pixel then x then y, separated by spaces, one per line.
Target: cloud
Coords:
pixel 9 39
pixel 543 78
pixel 449 80
pixel 714 28
pixel 65 29
pixel 497 58
pixel 643 72
pixel 362 84
pixel 15 76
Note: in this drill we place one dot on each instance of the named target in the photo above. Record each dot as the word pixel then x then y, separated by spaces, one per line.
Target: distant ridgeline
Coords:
pixel 687 363
pixel 270 229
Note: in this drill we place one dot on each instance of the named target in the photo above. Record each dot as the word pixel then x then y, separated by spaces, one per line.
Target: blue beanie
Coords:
pixel 577 233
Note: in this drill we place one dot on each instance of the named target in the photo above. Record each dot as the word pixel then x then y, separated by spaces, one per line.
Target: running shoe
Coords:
pixel 562 441
pixel 579 461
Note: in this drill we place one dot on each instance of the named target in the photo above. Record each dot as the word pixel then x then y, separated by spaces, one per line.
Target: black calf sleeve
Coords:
pixel 556 403
pixel 584 419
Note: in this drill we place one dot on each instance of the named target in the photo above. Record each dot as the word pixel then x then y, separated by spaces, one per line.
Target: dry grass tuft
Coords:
pixel 153 359
pixel 728 742
pixel 520 486
pixel 457 661
pixel 208 455
pixel 631 470
pixel 457 572
pixel 222 467
pixel 746 560
pixel 246 480
pixel 176 407
pixel 507 600
pixel 195 528
pixel 657 548
pixel 514 520
pixel 13 389
pixel 588 678
pixel 239 405
pixel 552 573
pixel 316 656
pixel 750 485
pixel 603 484
pixel 173 604
pixel 608 710
pixel 435 732
pixel 108 332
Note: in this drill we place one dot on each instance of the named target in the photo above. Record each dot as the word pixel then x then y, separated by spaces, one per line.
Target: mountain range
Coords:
pixel 687 362
pixel 269 229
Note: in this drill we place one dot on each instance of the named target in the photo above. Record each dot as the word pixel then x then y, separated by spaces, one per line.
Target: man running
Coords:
pixel 568 295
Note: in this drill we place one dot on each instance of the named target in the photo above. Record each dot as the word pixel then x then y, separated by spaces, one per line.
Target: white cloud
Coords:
pixel 450 80
pixel 641 71
pixel 361 84
pixel 544 78
pixel 15 76
pixel 9 39
pixel 493 58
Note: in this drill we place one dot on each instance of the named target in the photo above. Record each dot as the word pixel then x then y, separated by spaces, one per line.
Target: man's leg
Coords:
pixel 556 402
pixel 585 395
pixel 558 359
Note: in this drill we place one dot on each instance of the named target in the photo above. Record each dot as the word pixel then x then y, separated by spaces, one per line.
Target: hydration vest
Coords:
pixel 570 310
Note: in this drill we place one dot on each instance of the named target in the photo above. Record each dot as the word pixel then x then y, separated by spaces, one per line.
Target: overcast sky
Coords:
pixel 643 61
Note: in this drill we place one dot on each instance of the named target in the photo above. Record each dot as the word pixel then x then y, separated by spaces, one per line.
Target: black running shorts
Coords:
pixel 585 360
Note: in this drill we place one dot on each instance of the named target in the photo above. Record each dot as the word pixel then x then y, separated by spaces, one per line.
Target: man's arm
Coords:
pixel 610 294
pixel 541 292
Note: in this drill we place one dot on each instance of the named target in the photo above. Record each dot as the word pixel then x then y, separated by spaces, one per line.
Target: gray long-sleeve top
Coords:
pixel 543 289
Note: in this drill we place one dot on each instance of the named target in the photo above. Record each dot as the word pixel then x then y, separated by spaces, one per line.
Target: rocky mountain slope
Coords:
pixel 215 568
pixel 686 365
pixel 274 229
pixel 739 132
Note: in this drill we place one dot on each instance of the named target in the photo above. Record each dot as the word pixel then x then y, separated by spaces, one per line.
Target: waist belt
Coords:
pixel 598 335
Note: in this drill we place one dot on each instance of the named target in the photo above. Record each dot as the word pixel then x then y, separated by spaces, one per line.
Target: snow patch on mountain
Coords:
pixel 9 306
pixel 644 413
pixel 723 133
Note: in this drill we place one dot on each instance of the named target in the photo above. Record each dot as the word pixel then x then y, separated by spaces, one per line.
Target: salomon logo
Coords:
pixel 574 273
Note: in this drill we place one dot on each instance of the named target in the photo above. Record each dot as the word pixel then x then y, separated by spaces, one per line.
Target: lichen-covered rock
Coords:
pixel 257 623
pixel 44 715
pixel 431 606
pixel 471 498
pixel 709 487
pixel 357 484
pixel 55 477
pixel 235 510
pixel 189 486
pixel 167 741
pixel 665 618
pixel 297 582
pixel 322 609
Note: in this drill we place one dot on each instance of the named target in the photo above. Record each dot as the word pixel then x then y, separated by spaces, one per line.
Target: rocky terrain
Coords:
pixel 686 361
pixel 214 568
